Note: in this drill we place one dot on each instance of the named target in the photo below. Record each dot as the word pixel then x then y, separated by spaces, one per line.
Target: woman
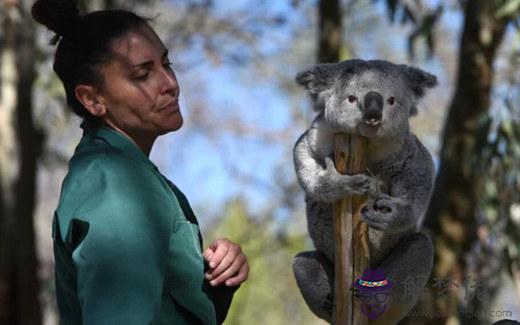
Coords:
pixel 126 242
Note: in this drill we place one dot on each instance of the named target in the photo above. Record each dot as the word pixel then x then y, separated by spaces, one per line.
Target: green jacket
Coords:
pixel 126 242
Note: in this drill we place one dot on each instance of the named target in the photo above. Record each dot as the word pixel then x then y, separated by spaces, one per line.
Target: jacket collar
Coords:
pixel 118 140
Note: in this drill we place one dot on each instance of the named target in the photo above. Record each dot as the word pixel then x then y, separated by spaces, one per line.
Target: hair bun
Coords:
pixel 60 16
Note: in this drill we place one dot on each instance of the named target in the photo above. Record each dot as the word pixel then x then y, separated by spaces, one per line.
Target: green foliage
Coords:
pixel 270 295
pixel 508 8
pixel 500 167
pixel 420 16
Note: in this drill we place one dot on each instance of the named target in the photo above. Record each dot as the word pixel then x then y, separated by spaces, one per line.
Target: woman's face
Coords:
pixel 140 92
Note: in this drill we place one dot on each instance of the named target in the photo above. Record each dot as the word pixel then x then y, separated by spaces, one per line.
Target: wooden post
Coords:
pixel 350 233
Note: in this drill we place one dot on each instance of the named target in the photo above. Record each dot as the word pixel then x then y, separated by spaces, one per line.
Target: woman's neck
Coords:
pixel 143 141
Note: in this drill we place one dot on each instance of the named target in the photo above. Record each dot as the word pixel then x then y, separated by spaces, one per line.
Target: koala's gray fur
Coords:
pixel 355 97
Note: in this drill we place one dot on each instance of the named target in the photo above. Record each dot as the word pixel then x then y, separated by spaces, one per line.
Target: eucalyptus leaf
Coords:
pixel 509 8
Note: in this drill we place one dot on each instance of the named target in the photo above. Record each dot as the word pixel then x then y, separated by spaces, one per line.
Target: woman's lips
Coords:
pixel 172 106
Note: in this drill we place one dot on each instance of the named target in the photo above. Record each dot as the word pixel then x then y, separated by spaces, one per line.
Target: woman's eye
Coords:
pixel 141 76
pixel 352 98
pixel 391 100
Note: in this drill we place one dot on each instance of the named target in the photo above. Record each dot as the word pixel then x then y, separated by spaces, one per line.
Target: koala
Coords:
pixel 372 99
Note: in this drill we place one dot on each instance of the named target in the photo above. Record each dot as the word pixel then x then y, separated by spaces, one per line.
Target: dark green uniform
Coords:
pixel 126 242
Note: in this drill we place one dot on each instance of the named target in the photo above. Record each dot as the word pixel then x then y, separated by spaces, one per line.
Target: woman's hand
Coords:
pixel 227 263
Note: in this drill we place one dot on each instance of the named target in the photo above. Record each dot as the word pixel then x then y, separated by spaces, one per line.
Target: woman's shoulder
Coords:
pixel 109 190
pixel 93 152
pixel 97 160
pixel 100 175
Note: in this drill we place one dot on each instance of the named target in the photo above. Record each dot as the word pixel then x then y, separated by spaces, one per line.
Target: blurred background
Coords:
pixel 236 61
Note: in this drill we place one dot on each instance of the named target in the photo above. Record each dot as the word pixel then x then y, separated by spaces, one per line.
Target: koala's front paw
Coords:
pixel 350 184
pixel 389 214
pixel 361 184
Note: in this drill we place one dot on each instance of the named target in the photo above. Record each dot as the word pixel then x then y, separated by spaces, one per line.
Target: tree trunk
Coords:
pixel 350 233
pixel 20 148
pixel 330 31
pixel 453 208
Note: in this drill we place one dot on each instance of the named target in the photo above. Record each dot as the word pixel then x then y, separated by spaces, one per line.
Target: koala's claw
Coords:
pixel 330 185
pixel 372 217
pixel 359 184
pixel 376 187
pixel 387 213
pixel 385 204
pixel 363 184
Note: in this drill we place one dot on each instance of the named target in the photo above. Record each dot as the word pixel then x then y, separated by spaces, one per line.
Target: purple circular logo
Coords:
pixel 373 289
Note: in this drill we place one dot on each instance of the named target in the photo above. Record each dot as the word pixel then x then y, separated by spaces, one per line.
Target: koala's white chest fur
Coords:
pixel 322 140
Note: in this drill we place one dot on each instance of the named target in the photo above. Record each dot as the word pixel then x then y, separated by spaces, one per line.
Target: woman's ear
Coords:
pixel 88 96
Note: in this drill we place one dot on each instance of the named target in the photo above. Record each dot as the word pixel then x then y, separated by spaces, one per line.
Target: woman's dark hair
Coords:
pixel 84 42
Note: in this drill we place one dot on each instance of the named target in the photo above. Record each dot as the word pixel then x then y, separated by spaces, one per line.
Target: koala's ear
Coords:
pixel 316 80
pixel 419 80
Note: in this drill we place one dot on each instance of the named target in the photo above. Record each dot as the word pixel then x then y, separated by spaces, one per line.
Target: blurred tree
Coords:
pixel 457 203
pixel 421 17
pixel 20 147
pixel 497 160
pixel 330 30
pixel 453 211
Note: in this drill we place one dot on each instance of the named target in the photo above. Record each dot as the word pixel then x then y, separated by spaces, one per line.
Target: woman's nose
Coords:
pixel 169 83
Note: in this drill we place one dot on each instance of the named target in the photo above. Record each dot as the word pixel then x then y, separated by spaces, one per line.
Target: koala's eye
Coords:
pixel 391 100
pixel 352 98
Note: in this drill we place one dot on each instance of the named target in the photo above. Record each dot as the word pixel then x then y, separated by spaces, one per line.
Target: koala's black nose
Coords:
pixel 373 106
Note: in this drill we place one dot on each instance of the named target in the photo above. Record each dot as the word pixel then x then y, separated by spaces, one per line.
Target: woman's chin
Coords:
pixel 173 123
